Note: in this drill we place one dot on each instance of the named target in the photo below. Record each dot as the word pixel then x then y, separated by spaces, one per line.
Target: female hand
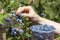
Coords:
pixel 28 12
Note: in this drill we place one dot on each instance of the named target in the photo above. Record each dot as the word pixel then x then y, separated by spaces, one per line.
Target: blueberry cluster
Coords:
pixel 42 28
pixel 42 32
pixel 12 14
pixel 21 31
pixel 15 31
pixel 19 19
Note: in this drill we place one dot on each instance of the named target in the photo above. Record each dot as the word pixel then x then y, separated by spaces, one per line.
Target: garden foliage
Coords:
pixel 49 8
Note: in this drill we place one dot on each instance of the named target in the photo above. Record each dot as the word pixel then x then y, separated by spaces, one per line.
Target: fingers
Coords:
pixel 25 14
pixel 21 9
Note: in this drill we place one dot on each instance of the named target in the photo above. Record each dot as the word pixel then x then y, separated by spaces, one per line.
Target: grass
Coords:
pixel 2 16
pixel 57 37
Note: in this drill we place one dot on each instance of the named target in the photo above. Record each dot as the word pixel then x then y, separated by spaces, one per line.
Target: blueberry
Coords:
pixel 18 16
pixel 19 20
pixel 10 15
pixel 15 29
pixel 14 32
pixel 13 14
pixel 11 33
pixel 45 28
pixel 51 28
pixel 41 36
pixel 42 15
pixel 21 31
pixel 9 30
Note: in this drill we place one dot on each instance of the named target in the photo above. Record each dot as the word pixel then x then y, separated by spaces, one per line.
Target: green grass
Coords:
pixel 2 16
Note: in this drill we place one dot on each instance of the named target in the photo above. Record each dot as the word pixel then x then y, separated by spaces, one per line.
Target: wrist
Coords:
pixel 39 19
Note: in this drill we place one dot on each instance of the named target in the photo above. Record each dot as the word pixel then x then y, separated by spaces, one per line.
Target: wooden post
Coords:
pixel 2 32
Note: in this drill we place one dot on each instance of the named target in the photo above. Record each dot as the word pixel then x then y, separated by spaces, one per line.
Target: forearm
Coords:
pixel 49 22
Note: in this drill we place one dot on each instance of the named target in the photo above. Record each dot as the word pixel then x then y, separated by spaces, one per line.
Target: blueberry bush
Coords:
pixel 49 9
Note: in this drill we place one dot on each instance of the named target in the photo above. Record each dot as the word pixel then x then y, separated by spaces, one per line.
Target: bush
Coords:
pixel 50 8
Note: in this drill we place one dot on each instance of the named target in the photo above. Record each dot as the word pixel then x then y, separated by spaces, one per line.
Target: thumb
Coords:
pixel 24 14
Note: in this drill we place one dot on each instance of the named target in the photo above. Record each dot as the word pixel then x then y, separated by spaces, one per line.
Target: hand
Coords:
pixel 28 12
